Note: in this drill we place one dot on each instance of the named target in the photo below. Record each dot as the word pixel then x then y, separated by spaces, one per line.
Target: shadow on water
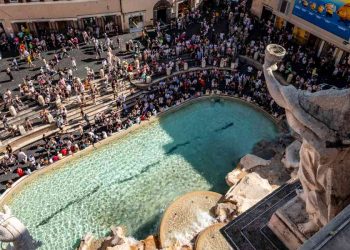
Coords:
pixel 213 138
pixel 149 227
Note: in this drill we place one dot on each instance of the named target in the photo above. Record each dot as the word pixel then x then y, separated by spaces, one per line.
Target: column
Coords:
pixel 32 28
pixel 176 9
pixel 120 24
pixel 8 28
pixel 126 23
pixel 81 24
pixel 335 52
pixel 53 25
pixel 320 48
pixel 75 24
pixel 338 56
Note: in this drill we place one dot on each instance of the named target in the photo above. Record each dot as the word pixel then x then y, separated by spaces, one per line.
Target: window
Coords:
pixel 136 22
pixel 284 7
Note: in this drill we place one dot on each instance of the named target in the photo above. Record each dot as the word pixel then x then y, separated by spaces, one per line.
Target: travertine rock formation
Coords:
pixel 250 190
pixel 13 231
pixel 249 161
pixel 291 158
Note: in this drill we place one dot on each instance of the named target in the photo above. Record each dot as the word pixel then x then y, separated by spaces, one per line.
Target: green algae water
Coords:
pixel 131 181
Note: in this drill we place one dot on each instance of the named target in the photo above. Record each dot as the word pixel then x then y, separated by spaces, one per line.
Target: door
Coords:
pixel 162 16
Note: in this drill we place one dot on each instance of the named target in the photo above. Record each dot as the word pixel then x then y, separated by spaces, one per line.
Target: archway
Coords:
pixel 162 12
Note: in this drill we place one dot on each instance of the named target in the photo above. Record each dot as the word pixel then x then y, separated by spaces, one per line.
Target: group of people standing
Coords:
pixel 223 36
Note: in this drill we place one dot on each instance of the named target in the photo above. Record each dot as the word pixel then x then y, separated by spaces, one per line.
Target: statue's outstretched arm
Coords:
pixel 274 54
pixel 274 86
pixel 288 97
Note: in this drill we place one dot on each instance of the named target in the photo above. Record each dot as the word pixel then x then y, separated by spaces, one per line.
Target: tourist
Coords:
pixel 32 161
pixel 15 64
pixel 9 73
pixel 74 64
pixel 28 124
pixel 22 157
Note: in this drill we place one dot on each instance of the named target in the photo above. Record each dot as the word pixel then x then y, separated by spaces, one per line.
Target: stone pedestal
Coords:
pixel 284 223
pixel 13 111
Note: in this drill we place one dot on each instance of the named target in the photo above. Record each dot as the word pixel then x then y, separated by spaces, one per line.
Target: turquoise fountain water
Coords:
pixel 132 180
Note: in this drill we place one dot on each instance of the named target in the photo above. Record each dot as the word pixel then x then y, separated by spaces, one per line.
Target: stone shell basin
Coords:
pixel 212 239
pixel 186 217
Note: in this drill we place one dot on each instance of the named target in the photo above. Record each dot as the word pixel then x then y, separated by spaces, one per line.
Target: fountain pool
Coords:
pixel 130 181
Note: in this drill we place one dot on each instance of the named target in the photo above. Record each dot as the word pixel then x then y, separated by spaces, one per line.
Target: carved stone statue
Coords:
pixel 322 119
pixel 13 231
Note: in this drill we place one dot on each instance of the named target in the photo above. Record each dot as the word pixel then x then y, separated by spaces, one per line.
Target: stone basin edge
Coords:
pixel 7 196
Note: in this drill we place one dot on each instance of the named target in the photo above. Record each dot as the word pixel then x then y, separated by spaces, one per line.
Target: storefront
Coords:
pixel 88 22
pixel 162 12
pixel 267 13
pixel 42 28
pixel 280 22
pixel 3 40
pixel 183 7
pixel 136 21
pixel 300 35
pixel 19 27
pixel 112 23
pixel 2 30
pixel 109 22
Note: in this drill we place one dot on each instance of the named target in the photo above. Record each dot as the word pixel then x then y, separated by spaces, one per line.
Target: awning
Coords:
pixel 45 20
pixel 100 15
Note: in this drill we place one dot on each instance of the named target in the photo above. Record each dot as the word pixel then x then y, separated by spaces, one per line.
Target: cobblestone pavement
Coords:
pixel 85 57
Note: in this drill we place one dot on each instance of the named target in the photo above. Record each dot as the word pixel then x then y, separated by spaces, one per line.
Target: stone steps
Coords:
pixel 49 129
pixel 102 103
pixel 249 231
pixel 130 100
pixel 33 112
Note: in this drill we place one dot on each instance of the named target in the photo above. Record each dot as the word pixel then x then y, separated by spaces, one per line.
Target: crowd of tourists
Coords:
pixel 168 51
pixel 246 84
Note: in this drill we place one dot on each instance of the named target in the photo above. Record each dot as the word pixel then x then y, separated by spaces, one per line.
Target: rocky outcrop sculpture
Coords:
pixel 249 162
pixel 250 190
pixel 322 119
pixel 291 158
pixel 13 231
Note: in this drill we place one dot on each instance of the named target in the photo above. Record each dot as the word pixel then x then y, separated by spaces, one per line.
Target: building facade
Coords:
pixel 310 23
pixel 127 15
